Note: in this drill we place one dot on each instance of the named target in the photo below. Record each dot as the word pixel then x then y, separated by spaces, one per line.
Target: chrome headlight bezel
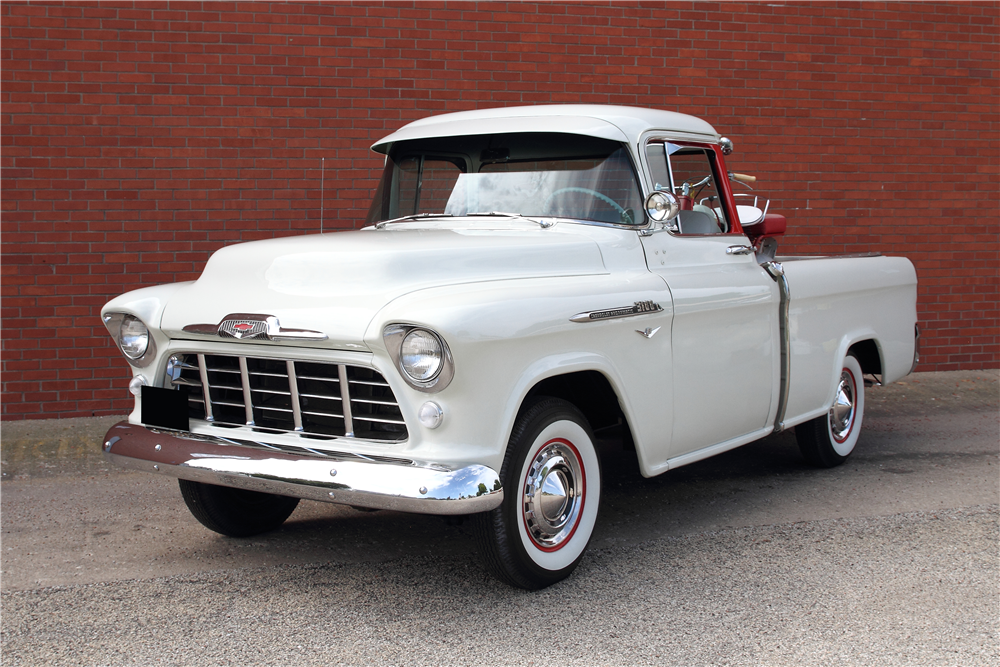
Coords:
pixel 115 322
pixel 395 334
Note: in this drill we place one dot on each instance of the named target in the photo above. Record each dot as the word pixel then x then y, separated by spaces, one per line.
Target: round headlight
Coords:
pixel 133 337
pixel 421 355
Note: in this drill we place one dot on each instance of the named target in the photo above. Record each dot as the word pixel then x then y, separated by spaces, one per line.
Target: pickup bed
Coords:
pixel 527 276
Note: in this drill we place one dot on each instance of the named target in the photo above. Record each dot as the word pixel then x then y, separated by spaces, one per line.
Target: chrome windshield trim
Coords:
pixel 412 216
pixel 544 223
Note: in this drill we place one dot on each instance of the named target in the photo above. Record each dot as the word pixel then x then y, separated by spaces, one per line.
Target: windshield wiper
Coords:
pixel 413 216
pixel 500 214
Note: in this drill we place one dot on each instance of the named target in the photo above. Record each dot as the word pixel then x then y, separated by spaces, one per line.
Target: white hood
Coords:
pixel 336 283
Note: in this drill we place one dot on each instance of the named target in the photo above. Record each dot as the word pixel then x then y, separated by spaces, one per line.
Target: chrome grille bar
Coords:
pixel 247 399
pixel 315 413
pixel 293 387
pixel 230 405
pixel 274 392
pixel 345 400
pixel 203 372
pixel 277 395
pixel 380 420
pixel 230 387
pixel 372 401
pixel 325 397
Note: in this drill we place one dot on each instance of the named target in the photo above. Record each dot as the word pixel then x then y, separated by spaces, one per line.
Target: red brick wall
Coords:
pixel 139 138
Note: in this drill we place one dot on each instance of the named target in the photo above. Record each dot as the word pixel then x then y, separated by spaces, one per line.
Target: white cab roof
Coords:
pixel 625 124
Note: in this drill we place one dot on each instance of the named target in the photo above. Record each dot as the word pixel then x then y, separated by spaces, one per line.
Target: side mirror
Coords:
pixel 662 206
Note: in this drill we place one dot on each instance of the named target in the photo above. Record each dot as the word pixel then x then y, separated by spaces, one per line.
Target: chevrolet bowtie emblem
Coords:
pixel 253 326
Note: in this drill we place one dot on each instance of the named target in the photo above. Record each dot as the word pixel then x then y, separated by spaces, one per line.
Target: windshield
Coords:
pixel 534 175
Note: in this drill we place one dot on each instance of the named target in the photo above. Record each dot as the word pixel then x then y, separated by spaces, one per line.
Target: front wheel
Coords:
pixel 235 512
pixel 552 488
pixel 827 441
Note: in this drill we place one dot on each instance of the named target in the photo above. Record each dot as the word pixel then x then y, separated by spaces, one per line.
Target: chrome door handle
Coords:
pixel 739 250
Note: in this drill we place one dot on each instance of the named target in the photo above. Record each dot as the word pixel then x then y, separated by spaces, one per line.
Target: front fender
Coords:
pixel 146 303
pixel 507 336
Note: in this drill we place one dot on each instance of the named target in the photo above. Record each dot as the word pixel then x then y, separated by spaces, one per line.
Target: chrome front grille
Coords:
pixel 281 395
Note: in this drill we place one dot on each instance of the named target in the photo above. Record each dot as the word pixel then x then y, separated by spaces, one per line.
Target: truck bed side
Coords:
pixel 835 302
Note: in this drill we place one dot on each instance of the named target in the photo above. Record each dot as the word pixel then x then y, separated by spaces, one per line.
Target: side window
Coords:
pixel 692 176
pixel 425 183
pixel 656 157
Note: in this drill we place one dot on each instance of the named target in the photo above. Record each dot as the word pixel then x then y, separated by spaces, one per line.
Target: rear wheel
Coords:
pixel 552 488
pixel 236 512
pixel 827 441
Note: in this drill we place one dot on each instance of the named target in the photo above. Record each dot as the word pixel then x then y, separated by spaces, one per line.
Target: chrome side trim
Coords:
pixel 402 485
pixel 852 255
pixel 916 347
pixel 638 308
pixel 777 272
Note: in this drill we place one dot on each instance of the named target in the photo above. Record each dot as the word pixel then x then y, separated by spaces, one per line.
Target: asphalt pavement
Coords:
pixel 749 558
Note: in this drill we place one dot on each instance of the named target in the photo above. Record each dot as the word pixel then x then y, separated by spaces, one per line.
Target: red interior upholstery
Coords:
pixel 773 224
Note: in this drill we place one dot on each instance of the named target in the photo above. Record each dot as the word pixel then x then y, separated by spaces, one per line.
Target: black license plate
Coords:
pixel 165 408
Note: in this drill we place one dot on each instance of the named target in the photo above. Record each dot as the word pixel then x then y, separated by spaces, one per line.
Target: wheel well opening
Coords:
pixel 868 356
pixel 591 393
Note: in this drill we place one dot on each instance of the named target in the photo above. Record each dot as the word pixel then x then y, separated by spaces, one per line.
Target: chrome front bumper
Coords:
pixel 391 484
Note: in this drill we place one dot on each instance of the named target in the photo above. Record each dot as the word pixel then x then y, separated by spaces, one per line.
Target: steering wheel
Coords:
pixel 592 193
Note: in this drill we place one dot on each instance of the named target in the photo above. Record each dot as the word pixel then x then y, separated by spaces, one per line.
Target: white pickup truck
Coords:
pixel 528 277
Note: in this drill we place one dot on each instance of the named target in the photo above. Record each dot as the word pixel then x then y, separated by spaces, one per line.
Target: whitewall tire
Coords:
pixel 827 441
pixel 552 491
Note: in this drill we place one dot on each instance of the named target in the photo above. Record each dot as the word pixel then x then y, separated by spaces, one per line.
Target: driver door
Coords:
pixel 725 323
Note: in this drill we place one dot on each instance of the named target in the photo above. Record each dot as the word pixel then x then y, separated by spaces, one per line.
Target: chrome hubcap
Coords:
pixel 553 495
pixel 842 412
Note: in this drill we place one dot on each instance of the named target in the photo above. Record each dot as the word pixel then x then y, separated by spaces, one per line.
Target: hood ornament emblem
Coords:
pixel 253 326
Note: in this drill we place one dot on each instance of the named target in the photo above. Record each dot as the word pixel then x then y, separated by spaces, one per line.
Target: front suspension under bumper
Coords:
pixel 403 485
